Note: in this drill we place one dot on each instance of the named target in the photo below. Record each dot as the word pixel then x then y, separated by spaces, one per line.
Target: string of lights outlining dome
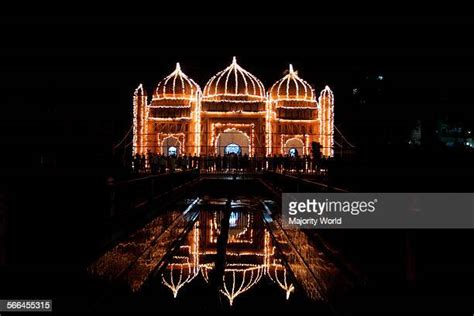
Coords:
pixel 237 98
pixel 234 82
pixel 176 85
pixel 292 88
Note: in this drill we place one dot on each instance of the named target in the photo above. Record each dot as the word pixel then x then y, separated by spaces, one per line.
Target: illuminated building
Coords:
pixel 233 113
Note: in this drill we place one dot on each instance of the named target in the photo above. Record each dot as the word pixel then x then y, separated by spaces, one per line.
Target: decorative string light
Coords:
pixel 326 101
pixel 197 126
pixel 233 127
pixel 295 101
pixel 236 131
pixel 176 91
pixel 257 101
pixel 213 227
pixel 235 85
pixel 135 118
pixel 245 236
pixel 302 90
pixel 187 270
pixel 268 127
pixel 182 99
pixel 182 118
pixel 296 107
pixel 175 136
pixel 300 138
pixel 236 253
pixel 296 120
pixel 139 120
pixel 250 276
pixel 252 87
pixel 287 94
pixel 170 106
pixel 234 113
pixel 205 270
pixel 281 279
pixel 168 87
pixel 183 267
pixel 145 117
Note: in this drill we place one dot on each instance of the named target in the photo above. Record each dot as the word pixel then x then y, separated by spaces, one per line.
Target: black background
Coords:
pixel 66 86
pixel 67 81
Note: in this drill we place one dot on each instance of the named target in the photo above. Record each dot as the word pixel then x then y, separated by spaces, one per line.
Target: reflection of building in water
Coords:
pixel 116 262
pixel 250 256
pixel 311 268
pixel 239 230
pixel 184 266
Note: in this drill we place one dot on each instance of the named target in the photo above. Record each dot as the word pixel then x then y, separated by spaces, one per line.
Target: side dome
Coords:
pixel 292 88
pixel 234 83
pixel 177 86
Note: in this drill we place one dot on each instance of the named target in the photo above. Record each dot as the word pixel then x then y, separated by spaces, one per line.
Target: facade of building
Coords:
pixel 234 113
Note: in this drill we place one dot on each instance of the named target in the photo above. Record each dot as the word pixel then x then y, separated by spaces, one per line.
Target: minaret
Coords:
pixel 326 117
pixel 139 121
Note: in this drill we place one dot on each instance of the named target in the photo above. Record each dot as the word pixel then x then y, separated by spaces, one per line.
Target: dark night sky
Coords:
pixel 66 86
pixel 68 81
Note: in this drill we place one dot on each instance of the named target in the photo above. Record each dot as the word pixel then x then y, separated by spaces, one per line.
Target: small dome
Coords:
pixel 177 86
pixel 292 88
pixel 234 83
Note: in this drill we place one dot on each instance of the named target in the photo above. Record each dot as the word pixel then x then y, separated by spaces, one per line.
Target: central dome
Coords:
pixel 235 84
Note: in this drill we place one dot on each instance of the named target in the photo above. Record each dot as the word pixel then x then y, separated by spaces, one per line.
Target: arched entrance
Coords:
pixel 171 146
pixel 233 141
pixel 294 147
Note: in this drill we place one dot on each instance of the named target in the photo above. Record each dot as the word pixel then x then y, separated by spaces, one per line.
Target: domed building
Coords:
pixel 233 114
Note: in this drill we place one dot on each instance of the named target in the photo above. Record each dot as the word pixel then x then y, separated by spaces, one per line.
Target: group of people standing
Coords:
pixel 157 163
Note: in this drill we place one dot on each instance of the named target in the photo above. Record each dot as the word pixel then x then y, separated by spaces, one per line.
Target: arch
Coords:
pixel 294 143
pixel 235 137
pixel 170 142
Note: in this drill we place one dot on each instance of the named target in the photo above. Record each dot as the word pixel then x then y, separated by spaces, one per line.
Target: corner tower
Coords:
pixel 326 103
pixel 139 120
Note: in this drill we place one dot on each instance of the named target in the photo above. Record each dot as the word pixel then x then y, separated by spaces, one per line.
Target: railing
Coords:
pixel 316 272
pixel 288 182
pixel 282 164
pixel 135 193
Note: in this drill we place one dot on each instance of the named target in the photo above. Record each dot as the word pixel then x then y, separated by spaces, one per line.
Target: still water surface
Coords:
pixel 217 253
